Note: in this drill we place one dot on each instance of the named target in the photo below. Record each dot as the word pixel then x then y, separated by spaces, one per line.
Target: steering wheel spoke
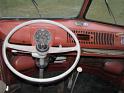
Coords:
pixel 62 49
pixel 25 48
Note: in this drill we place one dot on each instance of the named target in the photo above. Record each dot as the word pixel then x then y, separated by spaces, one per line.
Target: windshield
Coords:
pixel 107 11
pixel 46 8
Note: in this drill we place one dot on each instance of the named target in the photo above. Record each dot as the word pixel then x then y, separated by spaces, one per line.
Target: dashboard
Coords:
pixel 95 39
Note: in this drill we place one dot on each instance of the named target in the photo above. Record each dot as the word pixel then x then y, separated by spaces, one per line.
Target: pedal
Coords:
pixel 70 81
pixel 60 88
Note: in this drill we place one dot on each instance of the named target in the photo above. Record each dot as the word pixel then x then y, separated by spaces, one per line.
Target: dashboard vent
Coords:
pixel 103 38
pixel 96 38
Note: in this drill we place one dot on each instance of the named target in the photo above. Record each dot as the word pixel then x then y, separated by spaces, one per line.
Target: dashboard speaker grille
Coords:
pixel 103 38
pixel 96 38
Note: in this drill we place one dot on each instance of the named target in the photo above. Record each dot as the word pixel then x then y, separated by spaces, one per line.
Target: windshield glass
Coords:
pixel 113 13
pixel 46 8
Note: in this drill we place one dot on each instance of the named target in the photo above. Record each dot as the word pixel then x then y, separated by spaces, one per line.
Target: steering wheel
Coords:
pixel 35 53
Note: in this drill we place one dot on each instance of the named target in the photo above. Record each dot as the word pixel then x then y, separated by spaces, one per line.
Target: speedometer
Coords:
pixel 42 36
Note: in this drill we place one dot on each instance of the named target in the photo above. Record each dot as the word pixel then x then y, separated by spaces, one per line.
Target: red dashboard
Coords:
pixel 91 35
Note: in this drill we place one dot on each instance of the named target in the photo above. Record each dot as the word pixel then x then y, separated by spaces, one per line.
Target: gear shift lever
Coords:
pixel 79 70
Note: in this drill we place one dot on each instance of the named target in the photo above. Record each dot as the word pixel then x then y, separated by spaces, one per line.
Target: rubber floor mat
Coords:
pixel 85 84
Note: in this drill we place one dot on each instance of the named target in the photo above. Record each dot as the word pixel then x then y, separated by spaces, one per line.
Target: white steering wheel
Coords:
pixel 33 51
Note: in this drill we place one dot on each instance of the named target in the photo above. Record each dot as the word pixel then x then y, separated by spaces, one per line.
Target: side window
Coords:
pixel 98 11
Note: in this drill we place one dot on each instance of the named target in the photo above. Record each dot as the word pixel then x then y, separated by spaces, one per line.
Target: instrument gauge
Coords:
pixel 42 36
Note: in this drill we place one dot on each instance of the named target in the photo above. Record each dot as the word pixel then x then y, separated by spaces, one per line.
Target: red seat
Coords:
pixel 114 67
